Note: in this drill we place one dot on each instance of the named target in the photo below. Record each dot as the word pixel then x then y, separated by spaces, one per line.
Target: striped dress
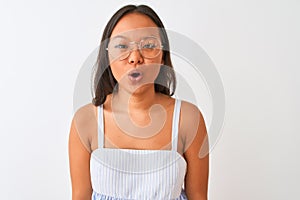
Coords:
pixel 123 174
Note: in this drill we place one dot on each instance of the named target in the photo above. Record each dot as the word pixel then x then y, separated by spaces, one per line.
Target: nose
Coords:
pixel 135 57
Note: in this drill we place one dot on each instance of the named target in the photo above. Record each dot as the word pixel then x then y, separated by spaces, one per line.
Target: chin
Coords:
pixel 138 88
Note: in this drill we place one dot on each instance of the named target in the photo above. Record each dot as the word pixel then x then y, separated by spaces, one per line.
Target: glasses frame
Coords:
pixel 131 43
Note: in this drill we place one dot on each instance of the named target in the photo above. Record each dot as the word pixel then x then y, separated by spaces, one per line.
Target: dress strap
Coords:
pixel 175 124
pixel 100 127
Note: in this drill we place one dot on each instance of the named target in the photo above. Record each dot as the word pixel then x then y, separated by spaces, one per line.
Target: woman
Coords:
pixel 135 141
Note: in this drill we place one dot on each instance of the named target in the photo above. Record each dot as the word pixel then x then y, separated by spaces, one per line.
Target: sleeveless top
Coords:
pixel 119 174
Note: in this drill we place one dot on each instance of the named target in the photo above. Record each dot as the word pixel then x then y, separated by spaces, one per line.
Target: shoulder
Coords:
pixel 85 119
pixel 189 108
pixel 84 124
pixel 86 113
pixel 191 122
pixel 190 113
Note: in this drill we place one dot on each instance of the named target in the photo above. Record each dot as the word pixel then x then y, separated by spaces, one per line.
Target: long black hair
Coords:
pixel 104 82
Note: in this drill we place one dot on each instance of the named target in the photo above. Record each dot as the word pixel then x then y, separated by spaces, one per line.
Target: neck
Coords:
pixel 139 101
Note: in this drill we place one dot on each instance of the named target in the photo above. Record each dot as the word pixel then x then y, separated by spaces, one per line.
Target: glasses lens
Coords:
pixel 118 48
pixel 150 47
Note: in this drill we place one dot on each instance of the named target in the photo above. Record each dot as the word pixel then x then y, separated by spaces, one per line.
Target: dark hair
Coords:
pixel 104 82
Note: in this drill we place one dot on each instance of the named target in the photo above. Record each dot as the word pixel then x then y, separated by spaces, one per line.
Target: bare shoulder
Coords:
pixel 191 121
pixel 190 113
pixel 86 113
pixel 85 125
pixel 190 109
pixel 87 109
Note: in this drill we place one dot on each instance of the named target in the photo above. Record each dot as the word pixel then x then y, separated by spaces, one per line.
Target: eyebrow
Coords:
pixel 121 36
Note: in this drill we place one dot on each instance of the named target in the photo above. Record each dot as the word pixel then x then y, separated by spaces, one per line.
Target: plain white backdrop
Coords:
pixel 254 44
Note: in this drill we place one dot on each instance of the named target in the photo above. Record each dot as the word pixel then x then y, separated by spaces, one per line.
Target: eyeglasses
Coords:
pixel 120 47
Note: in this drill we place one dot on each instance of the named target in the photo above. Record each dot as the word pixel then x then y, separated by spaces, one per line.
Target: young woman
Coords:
pixel 134 141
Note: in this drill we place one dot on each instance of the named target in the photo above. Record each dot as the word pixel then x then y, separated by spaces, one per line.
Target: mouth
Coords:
pixel 135 75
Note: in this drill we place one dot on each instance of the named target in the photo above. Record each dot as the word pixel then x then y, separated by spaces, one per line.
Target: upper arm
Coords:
pixel 79 160
pixel 196 152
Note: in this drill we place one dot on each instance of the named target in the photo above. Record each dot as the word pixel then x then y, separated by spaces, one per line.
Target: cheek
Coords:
pixel 118 70
pixel 151 72
pixel 151 67
pixel 155 66
pixel 157 60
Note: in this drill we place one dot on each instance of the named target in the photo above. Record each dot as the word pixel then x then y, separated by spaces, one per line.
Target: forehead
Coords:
pixel 135 26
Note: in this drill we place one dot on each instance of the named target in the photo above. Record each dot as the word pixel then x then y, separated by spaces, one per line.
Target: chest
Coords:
pixel 152 132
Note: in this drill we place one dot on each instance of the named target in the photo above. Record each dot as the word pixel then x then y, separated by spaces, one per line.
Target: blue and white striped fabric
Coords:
pixel 123 174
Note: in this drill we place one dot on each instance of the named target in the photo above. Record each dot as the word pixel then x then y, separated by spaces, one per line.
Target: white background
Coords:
pixel 254 44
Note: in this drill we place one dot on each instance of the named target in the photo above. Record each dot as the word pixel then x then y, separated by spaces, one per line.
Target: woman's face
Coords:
pixel 131 67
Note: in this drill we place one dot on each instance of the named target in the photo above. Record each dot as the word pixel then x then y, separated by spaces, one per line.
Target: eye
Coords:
pixel 149 46
pixel 121 46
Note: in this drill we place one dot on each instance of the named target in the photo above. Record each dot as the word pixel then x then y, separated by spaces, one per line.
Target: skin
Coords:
pixel 139 98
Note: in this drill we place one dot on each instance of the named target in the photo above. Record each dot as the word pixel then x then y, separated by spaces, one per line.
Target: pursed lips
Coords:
pixel 135 75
